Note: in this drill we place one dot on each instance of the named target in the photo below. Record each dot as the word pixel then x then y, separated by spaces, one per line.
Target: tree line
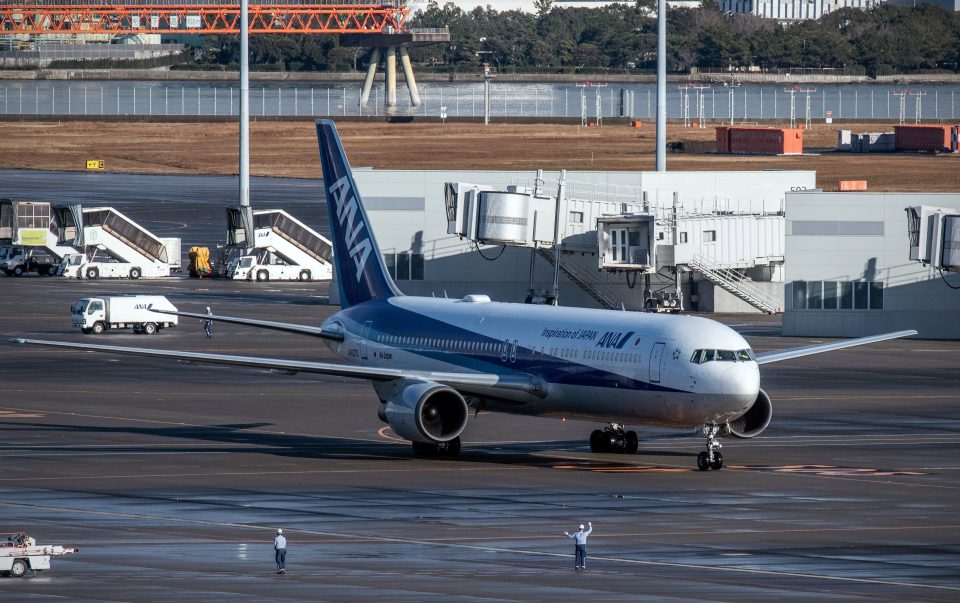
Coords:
pixel 621 38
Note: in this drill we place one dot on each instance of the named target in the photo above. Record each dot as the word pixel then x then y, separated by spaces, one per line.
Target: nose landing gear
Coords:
pixel 711 458
pixel 614 439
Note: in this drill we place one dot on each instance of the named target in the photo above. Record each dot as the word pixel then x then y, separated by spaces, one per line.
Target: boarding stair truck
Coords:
pixel 117 247
pixel 99 314
pixel 20 553
pixel 283 248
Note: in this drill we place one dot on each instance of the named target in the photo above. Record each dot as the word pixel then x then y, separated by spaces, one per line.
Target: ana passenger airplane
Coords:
pixel 433 362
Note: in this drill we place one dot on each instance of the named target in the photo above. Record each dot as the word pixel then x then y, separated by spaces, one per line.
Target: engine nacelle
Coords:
pixel 752 423
pixel 426 412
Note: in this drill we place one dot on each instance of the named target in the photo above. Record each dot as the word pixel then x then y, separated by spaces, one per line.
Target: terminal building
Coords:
pixel 849 271
pixel 835 264
pixel 712 239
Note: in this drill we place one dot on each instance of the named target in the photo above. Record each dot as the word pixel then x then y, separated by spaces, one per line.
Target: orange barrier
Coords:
pixel 852 185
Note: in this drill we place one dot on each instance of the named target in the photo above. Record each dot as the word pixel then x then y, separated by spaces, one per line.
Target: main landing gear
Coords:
pixel 711 458
pixel 441 449
pixel 614 439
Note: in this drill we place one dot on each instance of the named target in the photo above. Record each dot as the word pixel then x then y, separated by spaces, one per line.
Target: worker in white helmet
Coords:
pixel 280 551
pixel 580 538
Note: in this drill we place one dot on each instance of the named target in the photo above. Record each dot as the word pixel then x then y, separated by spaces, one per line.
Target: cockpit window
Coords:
pixel 702 356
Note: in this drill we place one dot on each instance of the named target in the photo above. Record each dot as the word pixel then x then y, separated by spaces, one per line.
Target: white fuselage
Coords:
pixel 592 364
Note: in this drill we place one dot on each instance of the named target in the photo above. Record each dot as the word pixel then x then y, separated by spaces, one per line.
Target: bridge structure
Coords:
pixel 376 24
pixel 199 17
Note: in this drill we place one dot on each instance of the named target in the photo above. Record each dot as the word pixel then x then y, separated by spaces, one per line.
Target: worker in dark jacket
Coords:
pixel 580 539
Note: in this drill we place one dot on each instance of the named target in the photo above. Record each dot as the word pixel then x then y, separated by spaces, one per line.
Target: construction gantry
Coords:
pixel 198 17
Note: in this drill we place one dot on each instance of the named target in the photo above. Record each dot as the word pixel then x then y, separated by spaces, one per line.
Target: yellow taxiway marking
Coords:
pixel 490 549
pixel 12 414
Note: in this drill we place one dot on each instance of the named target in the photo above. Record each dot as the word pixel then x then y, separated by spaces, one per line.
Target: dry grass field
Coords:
pixel 290 149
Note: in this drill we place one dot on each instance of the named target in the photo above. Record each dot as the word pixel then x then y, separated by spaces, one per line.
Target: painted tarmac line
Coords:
pixel 527 552
pixel 250 473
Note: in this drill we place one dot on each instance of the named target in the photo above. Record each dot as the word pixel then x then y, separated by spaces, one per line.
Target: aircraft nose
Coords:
pixel 742 379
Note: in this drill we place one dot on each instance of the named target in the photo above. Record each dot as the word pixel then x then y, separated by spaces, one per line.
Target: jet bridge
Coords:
pixel 934 236
pixel 283 248
pixel 628 238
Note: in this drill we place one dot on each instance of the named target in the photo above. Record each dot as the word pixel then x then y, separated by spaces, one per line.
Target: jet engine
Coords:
pixel 427 412
pixel 752 423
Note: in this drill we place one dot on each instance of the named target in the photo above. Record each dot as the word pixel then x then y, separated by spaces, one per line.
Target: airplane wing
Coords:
pixel 524 383
pixel 263 324
pixel 828 347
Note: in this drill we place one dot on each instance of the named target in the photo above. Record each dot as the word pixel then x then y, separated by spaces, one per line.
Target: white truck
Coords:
pixel 20 553
pixel 102 263
pixel 99 314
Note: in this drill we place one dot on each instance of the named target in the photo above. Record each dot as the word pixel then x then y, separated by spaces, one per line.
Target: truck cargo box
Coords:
pixel 763 141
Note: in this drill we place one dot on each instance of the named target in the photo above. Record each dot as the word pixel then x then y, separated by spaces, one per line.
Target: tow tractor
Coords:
pixel 20 553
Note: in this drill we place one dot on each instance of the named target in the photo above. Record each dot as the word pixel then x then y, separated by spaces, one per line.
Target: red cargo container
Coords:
pixel 723 139
pixel 932 139
pixel 852 185
pixel 764 141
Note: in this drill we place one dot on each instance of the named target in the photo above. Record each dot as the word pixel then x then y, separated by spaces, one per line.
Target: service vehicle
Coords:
pixel 266 267
pixel 17 261
pixel 20 553
pixel 98 314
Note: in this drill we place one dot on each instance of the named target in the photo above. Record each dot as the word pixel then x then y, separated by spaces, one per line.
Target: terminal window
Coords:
pixel 405 266
pixel 835 295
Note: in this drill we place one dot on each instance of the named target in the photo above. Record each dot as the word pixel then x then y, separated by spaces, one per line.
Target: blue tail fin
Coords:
pixel 361 273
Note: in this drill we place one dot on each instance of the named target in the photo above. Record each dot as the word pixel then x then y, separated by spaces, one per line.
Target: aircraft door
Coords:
pixel 364 336
pixel 656 356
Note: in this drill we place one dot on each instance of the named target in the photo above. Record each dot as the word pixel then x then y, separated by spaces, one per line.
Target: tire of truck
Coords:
pixel 8 272
pixel 19 568
pixel 263 275
pixel 148 328
pixel 134 273
pixel 304 275
pixel 98 328
pixel 18 271
pixel 86 331
pixel 49 271
pixel 92 273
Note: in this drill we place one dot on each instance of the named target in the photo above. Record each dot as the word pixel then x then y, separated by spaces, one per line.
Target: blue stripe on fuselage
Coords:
pixel 389 320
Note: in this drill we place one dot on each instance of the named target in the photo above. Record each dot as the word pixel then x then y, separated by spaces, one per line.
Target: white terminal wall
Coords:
pixel 407 212
pixel 914 296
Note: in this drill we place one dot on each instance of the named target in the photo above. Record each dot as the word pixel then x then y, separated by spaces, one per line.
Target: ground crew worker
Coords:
pixel 280 551
pixel 208 324
pixel 580 538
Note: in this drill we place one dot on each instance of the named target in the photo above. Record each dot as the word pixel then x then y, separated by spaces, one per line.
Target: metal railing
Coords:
pixel 734 282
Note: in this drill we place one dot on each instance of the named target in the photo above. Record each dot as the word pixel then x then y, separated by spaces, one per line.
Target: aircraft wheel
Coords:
pixel 717 461
pixel 424 449
pixel 597 441
pixel 632 443
pixel 703 462
pixel 19 568
pixel 449 449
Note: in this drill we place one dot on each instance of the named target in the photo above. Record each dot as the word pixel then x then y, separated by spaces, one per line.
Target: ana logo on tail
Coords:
pixel 347 210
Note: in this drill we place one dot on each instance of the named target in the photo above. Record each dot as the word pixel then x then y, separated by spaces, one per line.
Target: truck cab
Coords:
pixel 89 315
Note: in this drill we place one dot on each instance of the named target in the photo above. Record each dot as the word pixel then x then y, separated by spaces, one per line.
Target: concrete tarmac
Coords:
pixel 172 478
